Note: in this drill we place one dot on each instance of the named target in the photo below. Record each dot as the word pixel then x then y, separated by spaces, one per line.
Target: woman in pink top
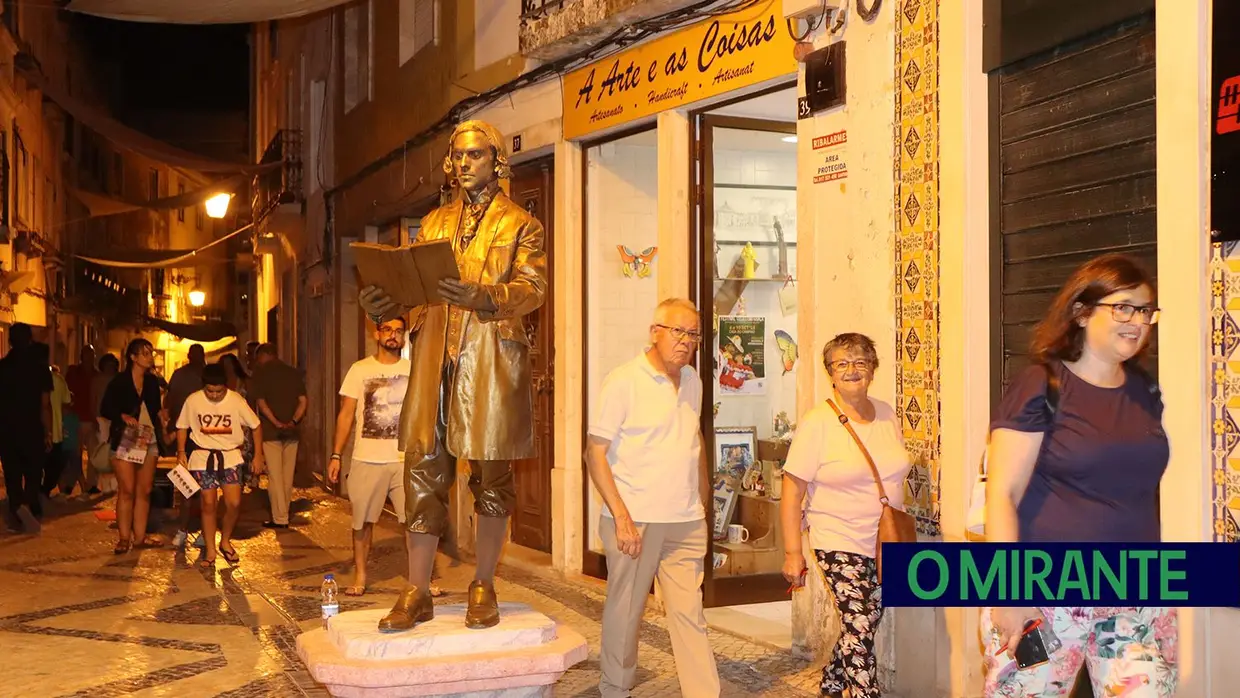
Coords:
pixel 828 485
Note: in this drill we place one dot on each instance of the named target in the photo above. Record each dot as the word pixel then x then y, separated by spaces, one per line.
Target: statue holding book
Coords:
pixel 469 394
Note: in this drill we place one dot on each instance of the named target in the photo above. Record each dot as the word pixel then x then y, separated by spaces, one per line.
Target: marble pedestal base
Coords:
pixel 521 657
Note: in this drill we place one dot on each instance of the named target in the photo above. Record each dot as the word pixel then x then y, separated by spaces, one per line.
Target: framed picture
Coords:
pixel 736 450
pixel 725 508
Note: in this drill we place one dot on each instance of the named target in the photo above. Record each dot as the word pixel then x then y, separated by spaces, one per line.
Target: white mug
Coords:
pixel 737 534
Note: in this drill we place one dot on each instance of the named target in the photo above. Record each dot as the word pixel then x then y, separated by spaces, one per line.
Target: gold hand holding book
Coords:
pixel 410 275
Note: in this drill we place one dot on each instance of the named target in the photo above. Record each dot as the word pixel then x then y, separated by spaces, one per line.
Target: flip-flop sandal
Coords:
pixel 122 547
pixel 355 591
pixel 148 543
pixel 231 556
pixel 206 564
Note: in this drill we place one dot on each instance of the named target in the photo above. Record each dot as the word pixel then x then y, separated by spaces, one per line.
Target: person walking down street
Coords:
pixel 829 482
pixel 212 419
pixel 645 456
pixel 81 432
pixel 371 395
pixel 279 392
pixel 109 366
pixel 54 464
pixel 25 428
pixel 185 381
pixel 132 406
pixel 1077 452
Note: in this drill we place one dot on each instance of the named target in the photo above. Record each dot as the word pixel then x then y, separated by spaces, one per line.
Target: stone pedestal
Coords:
pixel 522 656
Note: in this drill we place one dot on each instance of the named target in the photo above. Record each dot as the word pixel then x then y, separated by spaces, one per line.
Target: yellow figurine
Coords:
pixel 750 256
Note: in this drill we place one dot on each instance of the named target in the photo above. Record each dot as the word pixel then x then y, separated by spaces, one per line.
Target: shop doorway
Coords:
pixel 745 271
pixel 532 187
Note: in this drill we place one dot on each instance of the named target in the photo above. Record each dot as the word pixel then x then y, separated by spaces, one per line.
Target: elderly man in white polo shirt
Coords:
pixel 645 456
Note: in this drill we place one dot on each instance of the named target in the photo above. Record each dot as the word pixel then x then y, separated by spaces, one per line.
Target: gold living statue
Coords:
pixel 469 394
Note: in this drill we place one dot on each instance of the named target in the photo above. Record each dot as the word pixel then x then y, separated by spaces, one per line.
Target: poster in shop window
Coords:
pixel 742 355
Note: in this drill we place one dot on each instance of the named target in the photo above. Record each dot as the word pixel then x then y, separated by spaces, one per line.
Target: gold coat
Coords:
pixel 490 404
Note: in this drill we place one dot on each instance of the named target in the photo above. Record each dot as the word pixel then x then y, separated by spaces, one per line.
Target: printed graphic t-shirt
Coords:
pixel 379 389
pixel 216 426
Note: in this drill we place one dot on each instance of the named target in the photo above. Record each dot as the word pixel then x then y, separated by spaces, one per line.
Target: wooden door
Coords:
pixel 531 522
pixel 1076 174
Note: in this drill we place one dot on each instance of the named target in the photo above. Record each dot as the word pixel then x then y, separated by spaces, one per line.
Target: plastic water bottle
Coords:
pixel 328 598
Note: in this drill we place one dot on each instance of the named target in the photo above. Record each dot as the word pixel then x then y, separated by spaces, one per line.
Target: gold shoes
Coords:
pixel 413 606
pixel 483 611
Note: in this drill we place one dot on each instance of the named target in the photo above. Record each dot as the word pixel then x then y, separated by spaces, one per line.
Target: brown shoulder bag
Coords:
pixel 894 526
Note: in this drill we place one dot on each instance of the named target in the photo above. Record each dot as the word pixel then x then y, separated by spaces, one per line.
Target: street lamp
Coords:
pixel 197 298
pixel 217 206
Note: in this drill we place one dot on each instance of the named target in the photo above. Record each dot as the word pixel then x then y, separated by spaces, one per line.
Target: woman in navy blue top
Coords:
pixel 132 400
pixel 1077 451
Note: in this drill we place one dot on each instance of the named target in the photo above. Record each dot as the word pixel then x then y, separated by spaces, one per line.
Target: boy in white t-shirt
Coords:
pixel 214 417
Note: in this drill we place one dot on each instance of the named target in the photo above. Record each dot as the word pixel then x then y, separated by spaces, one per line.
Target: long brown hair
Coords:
pixel 1059 337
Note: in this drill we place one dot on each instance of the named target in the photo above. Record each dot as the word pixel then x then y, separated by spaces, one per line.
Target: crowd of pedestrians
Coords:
pixel 105 426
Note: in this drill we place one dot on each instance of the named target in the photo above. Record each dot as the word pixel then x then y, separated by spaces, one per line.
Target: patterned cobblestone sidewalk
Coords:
pixel 76 620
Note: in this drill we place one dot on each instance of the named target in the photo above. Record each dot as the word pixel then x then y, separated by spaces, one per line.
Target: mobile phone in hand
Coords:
pixel 1037 643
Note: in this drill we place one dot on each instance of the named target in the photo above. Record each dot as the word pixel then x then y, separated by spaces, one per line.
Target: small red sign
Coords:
pixel 1228 106
pixel 831 139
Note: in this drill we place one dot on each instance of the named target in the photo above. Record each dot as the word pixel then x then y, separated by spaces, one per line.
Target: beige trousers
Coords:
pixel 676 552
pixel 281 461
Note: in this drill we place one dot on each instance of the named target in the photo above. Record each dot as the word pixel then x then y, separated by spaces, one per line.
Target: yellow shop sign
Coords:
pixel 706 59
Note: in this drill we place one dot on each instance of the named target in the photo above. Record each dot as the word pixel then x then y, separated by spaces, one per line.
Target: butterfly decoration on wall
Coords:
pixel 634 263
pixel 787 349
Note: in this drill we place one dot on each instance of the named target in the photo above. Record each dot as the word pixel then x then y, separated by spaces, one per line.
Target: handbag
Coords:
pixel 894 526
pixel 976 521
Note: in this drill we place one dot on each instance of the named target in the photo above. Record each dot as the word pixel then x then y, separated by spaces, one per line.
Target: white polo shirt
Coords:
pixel 655 452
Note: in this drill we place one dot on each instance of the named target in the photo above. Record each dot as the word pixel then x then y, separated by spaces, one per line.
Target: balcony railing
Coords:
pixel 280 185
pixel 538 8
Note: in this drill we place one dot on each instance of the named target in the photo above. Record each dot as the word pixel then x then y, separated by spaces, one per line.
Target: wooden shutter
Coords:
pixel 1076 172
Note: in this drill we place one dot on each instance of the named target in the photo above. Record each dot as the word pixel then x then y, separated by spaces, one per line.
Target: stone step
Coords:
pixel 511 671
pixel 357 636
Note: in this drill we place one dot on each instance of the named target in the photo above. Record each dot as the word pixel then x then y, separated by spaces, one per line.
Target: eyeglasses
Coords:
pixel 1123 312
pixel 841 365
pixel 680 334
pixel 390 330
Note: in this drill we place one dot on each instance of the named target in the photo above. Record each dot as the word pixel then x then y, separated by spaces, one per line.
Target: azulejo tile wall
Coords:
pixel 917 252
pixel 1225 390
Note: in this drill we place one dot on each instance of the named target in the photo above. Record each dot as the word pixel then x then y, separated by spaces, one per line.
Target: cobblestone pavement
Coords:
pixel 76 620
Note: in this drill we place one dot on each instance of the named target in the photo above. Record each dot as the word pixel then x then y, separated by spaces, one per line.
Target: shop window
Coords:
pixel 749 346
pixel 621 212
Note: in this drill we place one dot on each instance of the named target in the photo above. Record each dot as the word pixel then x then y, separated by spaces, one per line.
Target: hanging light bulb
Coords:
pixel 217 206
pixel 197 298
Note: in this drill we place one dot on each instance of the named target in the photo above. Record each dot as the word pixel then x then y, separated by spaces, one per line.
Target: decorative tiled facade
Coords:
pixel 1225 390
pixel 916 160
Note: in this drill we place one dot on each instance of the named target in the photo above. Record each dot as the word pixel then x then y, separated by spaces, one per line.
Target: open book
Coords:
pixel 409 274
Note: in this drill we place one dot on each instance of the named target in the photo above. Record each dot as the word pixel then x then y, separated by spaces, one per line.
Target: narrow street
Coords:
pixel 77 620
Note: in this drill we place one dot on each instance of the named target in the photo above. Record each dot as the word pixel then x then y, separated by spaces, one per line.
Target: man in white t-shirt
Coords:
pixel 371 395
pixel 645 456
pixel 213 417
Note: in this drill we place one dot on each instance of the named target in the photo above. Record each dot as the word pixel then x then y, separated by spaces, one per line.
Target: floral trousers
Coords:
pixel 853 581
pixel 1128 652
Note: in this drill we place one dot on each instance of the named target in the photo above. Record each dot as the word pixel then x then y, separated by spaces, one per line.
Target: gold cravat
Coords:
pixel 472 217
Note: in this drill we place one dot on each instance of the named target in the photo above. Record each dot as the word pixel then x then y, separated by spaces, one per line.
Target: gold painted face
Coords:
pixel 473 161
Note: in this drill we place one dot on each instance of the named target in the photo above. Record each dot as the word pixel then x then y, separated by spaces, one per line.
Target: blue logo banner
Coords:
pixel 1061 574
